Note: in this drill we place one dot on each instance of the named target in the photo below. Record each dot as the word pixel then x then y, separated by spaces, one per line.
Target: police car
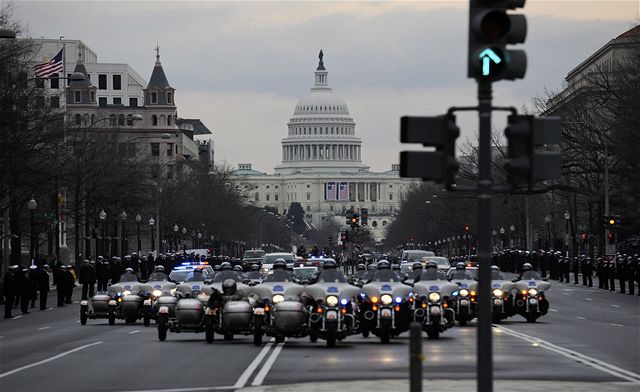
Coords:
pixel 184 271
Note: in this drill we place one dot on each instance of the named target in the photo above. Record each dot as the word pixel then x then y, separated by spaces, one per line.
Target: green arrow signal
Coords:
pixel 487 56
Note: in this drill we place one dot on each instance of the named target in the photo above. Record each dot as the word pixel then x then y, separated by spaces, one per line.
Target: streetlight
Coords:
pixel 123 217
pixel 494 233
pixel 567 218
pixel 184 232
pixel 103 218
pixel 32 204
pixel 502 231
pixel 547 220
pixel 175 231
pixel 199 240
pixel 151 223
pixel 512 230
pixel 138 219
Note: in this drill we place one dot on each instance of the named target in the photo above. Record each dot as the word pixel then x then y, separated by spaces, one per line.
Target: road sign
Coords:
pixel 358 248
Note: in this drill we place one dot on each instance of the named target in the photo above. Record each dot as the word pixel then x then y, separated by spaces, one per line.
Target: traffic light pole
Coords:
pixel 484 191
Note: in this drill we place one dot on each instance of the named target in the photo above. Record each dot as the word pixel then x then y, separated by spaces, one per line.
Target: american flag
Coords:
pixel 330 191
pixel 343 191
pixel 53 66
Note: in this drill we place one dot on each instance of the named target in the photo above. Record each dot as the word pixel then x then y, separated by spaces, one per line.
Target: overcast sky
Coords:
pixel 242 66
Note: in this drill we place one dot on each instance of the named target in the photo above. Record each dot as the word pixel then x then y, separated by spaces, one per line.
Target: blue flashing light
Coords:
pixel 363 295
pixel 344 302
pixel 455 293
pixel 185 263
pixel 398 300
pixel 119 294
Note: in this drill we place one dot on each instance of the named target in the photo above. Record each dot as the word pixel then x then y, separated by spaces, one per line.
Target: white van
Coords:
pixel 410 256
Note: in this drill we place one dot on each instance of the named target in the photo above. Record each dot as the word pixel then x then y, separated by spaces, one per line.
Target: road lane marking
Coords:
pixel 588 299
pixel 48 309
pixel 244 377
pixel 16 317
pixel 267 365
pixel 553 310
pixel 566 293
pixel 589 361
pixel 132 332
pixel 581 318
pixel 43 328
pixel 616 325
pixel 10 372
pixel 615 306
pixel 75 302
pixel 194 389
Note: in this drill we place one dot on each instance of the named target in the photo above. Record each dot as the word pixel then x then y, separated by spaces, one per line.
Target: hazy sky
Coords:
pixel 242 66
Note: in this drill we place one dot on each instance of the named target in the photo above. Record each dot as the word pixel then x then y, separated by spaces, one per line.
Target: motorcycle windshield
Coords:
pixel 128 278
pixel 495 275
pixel 332 276
pixel 224 275
pixel 279 276
pixel 158 277
pixel 462 275
pixel 432 275
pixel 528 275
pixel 253 275
pixel 386 276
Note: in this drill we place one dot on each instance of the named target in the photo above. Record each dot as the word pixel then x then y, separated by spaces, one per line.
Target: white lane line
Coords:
pixel 615 306
pixel 183 389
pixel 132 332
pixel 267 365
pixel 581 318
pixel 75 302
pixel 553 310
pixel 566 293
pixel 576 356
pixel 616 325
pixel 43 328
pixel 16 317
pixel 10 372
pixel 244 377
pixel 588 299
pixel 48 309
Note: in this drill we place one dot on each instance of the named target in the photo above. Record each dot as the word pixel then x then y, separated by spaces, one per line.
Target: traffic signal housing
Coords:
pixel 355 220
pixel 440 132
pixel 364 216
pixel 611 237
pixel 528 158
pixel 490 30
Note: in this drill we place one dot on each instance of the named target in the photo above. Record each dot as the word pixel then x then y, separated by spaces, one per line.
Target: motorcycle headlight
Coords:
pixel 386 299
pixel 156 293
pixel 434 297
pixel 464 292
pixel 126 292
pixel 532 292
pixel 332 300
pixel 277 298
pixel 172 291
pixel 497 293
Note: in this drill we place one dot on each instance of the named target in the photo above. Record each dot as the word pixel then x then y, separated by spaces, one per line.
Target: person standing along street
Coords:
pixel 24 287
pixel 577 263
pixel 87 279
pixel 103 273
pixel 60 275
pixel 611 273
pixel 43 286
pixel 33 284
pixel 630 274
pixel 621 273
pixel 9 290
pixel 69 285
pixel 587 272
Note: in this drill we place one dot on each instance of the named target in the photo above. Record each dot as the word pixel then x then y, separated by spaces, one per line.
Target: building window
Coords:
pixel 39 82
pixel 39 101
pixel 154 171
pixel 169 149
pixel 257 196
pixel 384 223
pixel 267 197
pixel 308 208
pixel 374 224
pixel 129 120
pixel 76 97
pixel 169 120
pixel 390 196
pixel 133 102
pixel 170 172
pixel 275 197
pixel 112 120
pixel 55 102
pixel 78 119
pixel 155 149
pixel 121 120
pixel 117 82
pixel 117 100
pixel 93 97
pixel 154 120
pixel 55 82
pixel 102 101
pixel 154 97
pixel 169 98
pixel 102 82
pixel 308 196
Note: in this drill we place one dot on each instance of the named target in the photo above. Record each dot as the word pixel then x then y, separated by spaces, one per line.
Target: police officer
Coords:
pixel 60 275
pixel 87 279
pixel 43 286
pixel 24 287
pixel 33 284
pixel 630 274
pixel 9 290
pixel 115 268
pixel 102 273
pixel 587 272
pixel 69 285
pixel 611 273
pixel 578 264
pixel 621 273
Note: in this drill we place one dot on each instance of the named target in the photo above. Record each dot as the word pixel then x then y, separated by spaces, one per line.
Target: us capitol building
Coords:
pixel 322 167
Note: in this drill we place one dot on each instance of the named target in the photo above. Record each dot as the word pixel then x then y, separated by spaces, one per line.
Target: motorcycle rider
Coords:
pixel 128 276
pixel 158 274
pixel 461 272
pixel 416 271
pixel 528 273
pixel 431 272
pixel 280 273
pixel 229 293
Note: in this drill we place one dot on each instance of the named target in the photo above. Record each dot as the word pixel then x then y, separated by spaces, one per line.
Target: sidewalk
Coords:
pixel 448 386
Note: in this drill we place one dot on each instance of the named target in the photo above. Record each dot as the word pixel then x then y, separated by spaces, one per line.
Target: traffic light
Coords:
pixel 584 236
pixel 466 229
pixel 344 237
pixel 611 237
pixel 490 30
pixel 364 216
pixel 611 221
pixel 355 220
pixel 528 160
pixel 440 132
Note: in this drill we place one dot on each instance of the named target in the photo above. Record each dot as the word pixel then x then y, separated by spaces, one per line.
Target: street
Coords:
pixel 589 335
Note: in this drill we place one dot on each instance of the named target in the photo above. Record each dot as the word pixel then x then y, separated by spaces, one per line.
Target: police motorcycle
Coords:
pixel 184 308
pixel 501 296
pixel 161 295
pixel 122 300
pixel 432 292
pixel 330 300
pixel 356 278
pixel 254 276
pixel 233 312
pixel 279 311
pixel 463 301
pixel 386 306
pixel 530 301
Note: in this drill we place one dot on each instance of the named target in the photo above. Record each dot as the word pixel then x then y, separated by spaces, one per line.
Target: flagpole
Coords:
pixel 64 62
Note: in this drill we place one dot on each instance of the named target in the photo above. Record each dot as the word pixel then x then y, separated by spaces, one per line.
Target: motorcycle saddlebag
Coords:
pixel 131 305
pixel 168 301
pixel 236 315
pixel 189 311
pixel 289 315
pixel 100 303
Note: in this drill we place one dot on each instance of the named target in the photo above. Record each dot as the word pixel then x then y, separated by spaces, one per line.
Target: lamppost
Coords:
pixel 184 244
pixel 103 218
pixel 175 231
pixel 502 231
pixel 547 220
pixel 494 233
pixel 567 218
pixel 199 240
pixel 123 246
pixel 32 204
pixel 151 223
pixel 512 230
pixel 138 219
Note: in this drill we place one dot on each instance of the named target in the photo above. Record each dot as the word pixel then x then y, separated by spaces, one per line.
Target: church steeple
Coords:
pixel 158 91
pixel 81 92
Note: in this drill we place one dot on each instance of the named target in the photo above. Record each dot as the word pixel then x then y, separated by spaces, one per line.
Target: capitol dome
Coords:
pixel 321 135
